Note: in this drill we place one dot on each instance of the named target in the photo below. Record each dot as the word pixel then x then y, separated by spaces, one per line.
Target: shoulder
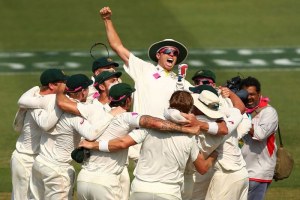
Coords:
pixel 269 109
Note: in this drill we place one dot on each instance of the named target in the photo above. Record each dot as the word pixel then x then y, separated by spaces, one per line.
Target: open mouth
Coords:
pixel 170 60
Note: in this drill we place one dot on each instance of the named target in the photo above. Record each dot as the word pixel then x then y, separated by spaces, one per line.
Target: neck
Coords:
pixel 103 99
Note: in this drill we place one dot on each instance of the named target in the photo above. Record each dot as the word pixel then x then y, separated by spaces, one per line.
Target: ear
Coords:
pixel 51 86
pixel 158 56
pixel 101 87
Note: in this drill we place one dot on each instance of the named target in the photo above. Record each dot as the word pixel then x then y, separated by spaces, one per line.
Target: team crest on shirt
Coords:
pixel 156 75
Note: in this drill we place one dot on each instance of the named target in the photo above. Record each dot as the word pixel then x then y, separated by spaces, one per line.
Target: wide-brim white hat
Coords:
pixel 168 42
pixel 207 102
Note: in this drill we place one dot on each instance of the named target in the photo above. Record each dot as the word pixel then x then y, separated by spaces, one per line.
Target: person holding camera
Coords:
pixel 259 149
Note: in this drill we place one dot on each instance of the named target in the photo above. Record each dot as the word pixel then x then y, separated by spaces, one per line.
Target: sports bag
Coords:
pixel 284 162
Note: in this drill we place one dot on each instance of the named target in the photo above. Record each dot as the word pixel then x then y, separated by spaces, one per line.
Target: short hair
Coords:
pixel 182 101
pixel 250 81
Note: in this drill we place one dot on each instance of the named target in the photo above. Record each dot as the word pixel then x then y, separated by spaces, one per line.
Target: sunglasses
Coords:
pixel 203 82
pixel 169 51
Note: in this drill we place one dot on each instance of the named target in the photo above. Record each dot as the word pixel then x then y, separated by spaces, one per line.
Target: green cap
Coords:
pixel 52 76
pixel 204 73
pixel 77 82
pixel 200 88
pixel 103 62
pixel 105 75
pixel 120 91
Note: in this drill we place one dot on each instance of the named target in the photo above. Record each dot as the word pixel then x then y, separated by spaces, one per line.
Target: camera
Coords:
pixel 234 84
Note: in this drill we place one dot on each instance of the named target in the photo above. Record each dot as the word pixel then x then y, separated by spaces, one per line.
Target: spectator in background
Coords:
pixel 259 149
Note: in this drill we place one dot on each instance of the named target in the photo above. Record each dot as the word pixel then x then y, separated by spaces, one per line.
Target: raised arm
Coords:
pixel 113 37
pixel 236 101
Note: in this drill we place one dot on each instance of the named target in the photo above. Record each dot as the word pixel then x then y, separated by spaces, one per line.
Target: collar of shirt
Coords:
pixel 161 70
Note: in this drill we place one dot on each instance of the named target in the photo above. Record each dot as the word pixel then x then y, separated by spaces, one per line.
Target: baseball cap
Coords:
pixel 105 75
pixel 77 82
pixel 168 42
pixel 52 76
pixel 120 91
pixel 204 73
pixel 206 99
pixel 103 62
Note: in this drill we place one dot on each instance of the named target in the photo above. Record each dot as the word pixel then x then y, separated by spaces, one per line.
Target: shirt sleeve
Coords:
pixel 136 67
pixel 85 109
pixel 232 118
pixel 46 119
pixel 91 131
pixel 194 150
pixel 31 99
pixel 265 123
pixel 244 126
pixel 132 119
pixel 138 135
pixel 19 119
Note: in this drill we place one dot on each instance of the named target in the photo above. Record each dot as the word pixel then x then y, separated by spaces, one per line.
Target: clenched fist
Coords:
pixel 105 13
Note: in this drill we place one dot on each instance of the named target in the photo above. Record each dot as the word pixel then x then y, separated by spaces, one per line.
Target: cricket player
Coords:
pixel 154 83
pixel 52 165
pixel 28 143
pixel 159 171
pixel 100 65
pixel 229 177
pixel 102 180
pixel 102 83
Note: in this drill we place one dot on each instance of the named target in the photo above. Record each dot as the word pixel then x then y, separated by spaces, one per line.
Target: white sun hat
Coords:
pixel 207 101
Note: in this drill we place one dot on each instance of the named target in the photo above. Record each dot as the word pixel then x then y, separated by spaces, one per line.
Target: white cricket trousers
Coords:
pixel 142 190
pixel 94 185
pixel 125 184
pixel 228 185
pixel 21 166
pixel 51 181
pixel 188 185
pixel 201 184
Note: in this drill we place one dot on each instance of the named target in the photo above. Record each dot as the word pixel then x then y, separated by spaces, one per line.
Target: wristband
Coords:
pixel 103 146
pixel 212 128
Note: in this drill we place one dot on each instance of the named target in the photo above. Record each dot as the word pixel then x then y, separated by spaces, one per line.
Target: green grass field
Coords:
pixel 75 26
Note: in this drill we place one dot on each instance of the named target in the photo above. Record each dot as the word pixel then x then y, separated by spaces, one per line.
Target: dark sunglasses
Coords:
pixel 169 51
pixel 203 82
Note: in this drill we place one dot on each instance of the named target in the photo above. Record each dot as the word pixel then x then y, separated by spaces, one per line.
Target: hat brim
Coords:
pixel 208 112
pixel 156 46
pixel 115 74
